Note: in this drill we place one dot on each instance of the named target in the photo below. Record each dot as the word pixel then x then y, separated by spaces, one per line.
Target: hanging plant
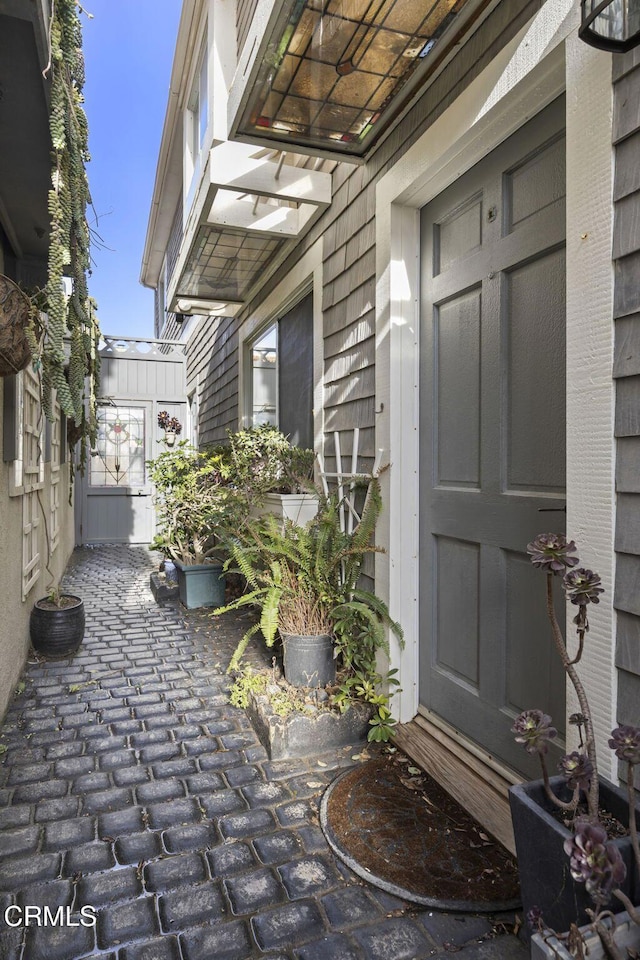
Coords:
pixel 64 337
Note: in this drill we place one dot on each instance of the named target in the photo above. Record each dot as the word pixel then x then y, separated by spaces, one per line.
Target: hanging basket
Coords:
pixel 15 308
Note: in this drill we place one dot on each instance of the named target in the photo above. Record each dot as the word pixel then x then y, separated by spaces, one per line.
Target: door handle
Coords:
pixel 552 509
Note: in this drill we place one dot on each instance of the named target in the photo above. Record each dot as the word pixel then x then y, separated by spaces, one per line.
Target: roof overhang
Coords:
pixel 252 207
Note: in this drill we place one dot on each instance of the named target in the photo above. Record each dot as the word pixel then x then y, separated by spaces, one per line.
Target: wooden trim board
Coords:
pixel 478 787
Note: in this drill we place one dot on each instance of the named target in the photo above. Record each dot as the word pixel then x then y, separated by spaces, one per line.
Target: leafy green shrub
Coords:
pixel 194 501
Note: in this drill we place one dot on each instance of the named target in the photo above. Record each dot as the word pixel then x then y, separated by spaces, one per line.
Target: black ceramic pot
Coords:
pixel 57 631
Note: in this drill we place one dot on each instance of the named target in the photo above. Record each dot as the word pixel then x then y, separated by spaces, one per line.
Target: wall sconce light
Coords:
pixel 179 319
pixel 612 25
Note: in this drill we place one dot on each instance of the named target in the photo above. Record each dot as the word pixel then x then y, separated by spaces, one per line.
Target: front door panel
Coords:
pixel 493 435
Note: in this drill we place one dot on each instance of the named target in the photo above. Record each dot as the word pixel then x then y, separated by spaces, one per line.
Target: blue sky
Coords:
pixel 128 47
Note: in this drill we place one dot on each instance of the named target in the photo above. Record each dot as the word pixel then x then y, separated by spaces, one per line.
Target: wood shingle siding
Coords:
pixel 626 370
pixel 348 231
pixel 245 10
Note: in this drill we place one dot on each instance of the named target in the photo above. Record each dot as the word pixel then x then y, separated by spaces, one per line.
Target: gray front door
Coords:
pixel 492 435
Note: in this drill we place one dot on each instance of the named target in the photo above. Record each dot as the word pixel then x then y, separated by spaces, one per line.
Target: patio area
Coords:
pixel 130 785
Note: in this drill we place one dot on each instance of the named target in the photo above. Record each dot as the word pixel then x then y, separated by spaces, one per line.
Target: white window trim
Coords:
pixel 521 80
pixel 54 479
pixel 303 278
pixel 30 541
pixel 29 462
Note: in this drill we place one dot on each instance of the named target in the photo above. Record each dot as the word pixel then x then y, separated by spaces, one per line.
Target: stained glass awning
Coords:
pixel 332 74
pixel 253 205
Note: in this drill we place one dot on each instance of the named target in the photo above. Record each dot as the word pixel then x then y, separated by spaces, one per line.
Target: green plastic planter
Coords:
pixel 200 584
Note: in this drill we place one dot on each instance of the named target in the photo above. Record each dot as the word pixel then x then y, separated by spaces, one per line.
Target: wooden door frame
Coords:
pixel 513 88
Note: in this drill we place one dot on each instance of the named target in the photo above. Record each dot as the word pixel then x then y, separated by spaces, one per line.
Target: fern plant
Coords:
pixel 304 580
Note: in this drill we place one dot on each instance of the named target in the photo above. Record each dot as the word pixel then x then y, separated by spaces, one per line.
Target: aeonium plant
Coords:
pixel 594 859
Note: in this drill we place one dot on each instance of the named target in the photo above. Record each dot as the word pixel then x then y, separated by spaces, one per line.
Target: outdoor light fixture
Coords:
pixel 179 318
pixel 331 75
pixel 612 25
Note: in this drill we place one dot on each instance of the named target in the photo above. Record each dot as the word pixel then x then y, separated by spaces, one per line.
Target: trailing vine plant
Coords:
pixel 68 318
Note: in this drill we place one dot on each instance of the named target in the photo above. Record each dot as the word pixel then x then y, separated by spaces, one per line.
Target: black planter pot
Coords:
pixel 308 661
pixel 57 631
pixel 545 880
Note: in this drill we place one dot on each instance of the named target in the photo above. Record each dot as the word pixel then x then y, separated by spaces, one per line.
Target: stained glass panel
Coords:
pixel 337 67
pixel 118 459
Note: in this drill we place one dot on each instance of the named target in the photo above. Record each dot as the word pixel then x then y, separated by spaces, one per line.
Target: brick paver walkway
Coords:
pixel 129 784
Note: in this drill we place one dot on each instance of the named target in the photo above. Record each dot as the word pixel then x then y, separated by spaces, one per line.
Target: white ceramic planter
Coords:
pixel 297 507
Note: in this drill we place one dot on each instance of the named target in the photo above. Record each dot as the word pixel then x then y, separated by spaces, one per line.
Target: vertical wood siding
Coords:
pixel 626 258
pixel 348 227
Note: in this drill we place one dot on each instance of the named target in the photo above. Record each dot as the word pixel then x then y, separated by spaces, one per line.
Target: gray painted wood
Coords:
pixel 627 538
pixel 628 705
pixel 245 10
pixel 626 110
pixel 627 168
pixel 628 643
pixel 492 430
pixel 626 228
pixel 627 465
pixel 626 360
pixel 625 63
pixel 626 296
pixel 626 252
pixel 627 589
pixel 628 407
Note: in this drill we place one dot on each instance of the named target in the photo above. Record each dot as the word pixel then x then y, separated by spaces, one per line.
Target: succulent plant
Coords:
pixel 582 586
pixel 594 860
pixel 625 740
pixel 533 729
pixel 552 552
pixel 577 770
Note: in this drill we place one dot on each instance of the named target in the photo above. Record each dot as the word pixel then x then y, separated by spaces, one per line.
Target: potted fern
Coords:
pixel 304 580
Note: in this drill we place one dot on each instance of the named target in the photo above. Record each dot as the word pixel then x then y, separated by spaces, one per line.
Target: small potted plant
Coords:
pixel 56 625
pixel 171 426
pixel 562 814
pixel 272 475
pixel 193 500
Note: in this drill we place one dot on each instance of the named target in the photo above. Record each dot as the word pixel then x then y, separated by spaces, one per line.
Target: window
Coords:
pixel 198 109
pixel 118 459
pixel 281 381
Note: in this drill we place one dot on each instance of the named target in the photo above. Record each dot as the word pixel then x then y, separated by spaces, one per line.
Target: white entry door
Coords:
pixel 117 495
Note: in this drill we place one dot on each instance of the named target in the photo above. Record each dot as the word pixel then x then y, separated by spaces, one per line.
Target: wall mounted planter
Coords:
pixel 200 584
pixel 545 880
pixel 57 631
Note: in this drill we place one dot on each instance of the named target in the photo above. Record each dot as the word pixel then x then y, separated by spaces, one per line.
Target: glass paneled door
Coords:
pixel 117 507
